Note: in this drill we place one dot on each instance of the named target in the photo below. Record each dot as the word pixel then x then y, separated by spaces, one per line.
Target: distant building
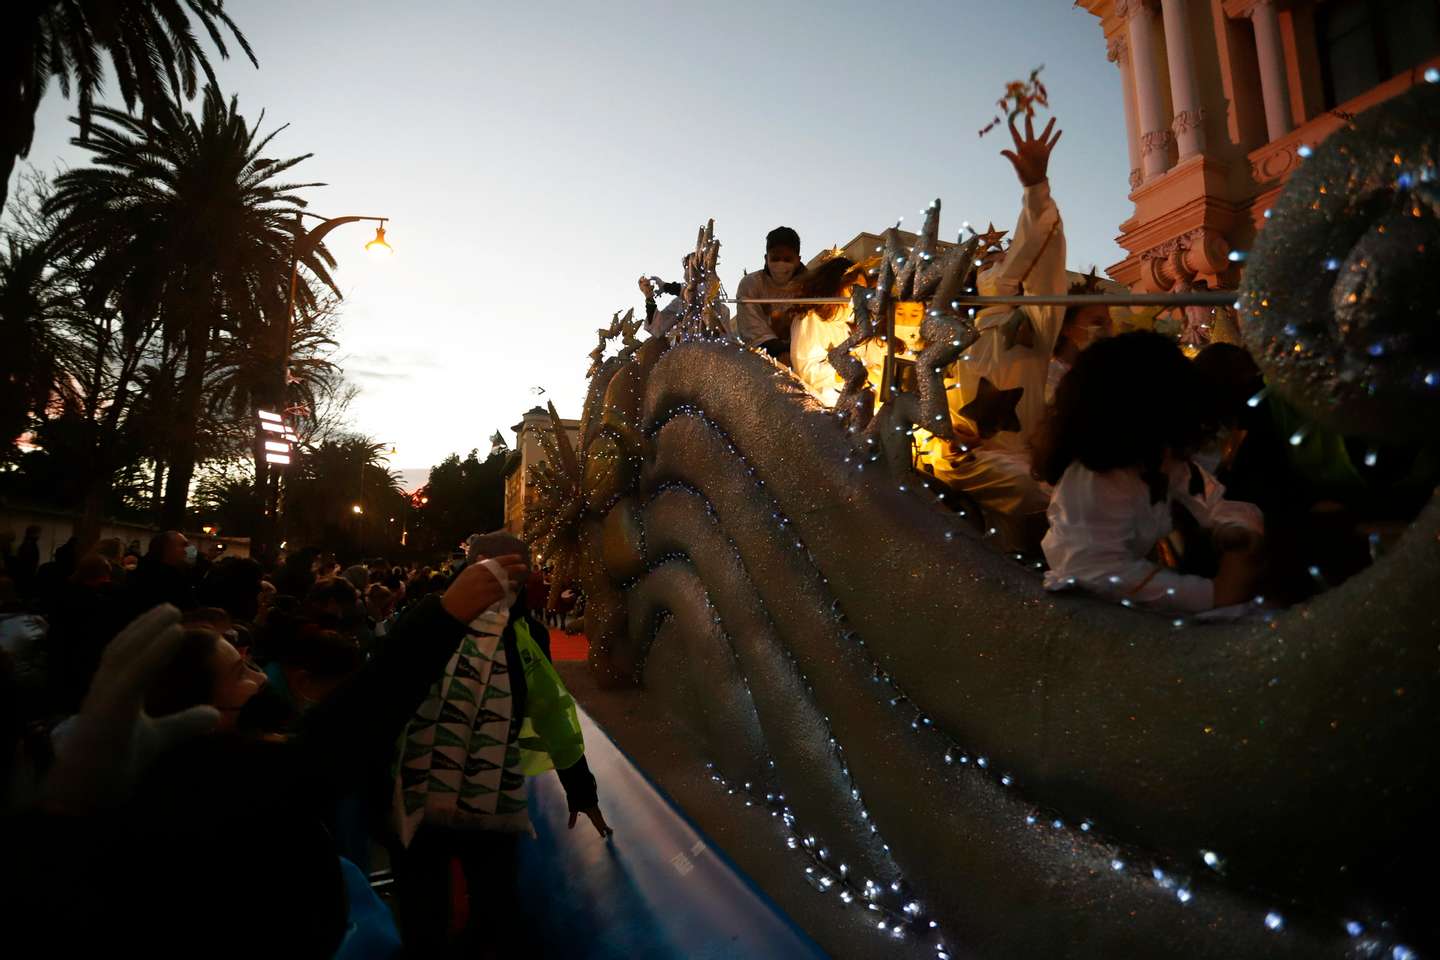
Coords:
pixel 1220 97
pixel 519 496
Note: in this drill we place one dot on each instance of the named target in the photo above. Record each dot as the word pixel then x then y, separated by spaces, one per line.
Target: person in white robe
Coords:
pixel 1013 352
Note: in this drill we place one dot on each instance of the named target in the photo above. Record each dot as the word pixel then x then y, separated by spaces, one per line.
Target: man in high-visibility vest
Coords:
pixel 498 715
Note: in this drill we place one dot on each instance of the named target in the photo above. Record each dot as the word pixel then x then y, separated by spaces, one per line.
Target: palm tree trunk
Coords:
pixel 182 453
pixel 157 486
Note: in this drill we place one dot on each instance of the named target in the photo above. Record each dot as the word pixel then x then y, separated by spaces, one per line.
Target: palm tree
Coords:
pixel 153 52
pixel 331 480
pixel 182 218
pixel 37 362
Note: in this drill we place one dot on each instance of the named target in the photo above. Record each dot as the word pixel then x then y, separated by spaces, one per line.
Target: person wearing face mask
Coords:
pixel 767 326
pixel 1082 327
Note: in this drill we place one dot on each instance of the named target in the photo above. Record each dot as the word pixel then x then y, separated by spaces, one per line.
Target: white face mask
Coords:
pixel 781 271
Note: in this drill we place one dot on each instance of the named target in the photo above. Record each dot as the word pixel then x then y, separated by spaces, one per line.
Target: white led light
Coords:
pixel 1273 921
pixel 276 458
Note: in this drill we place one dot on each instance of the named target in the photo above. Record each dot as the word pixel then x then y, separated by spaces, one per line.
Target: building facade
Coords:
pixel 1222 96
pixel 528 451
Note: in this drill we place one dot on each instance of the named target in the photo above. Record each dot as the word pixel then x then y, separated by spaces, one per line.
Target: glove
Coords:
pixel 112 739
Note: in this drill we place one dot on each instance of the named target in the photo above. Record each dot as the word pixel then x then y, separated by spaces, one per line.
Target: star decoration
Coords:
pixel 1018 329
pixel 993 410
pixel 624 327
pixel 990 239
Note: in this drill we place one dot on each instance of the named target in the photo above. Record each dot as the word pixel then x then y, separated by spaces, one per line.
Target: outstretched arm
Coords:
pixel 1035 261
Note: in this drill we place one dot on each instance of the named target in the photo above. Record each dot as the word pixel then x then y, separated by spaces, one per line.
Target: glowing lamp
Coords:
pixel 378 245
pixel 357 509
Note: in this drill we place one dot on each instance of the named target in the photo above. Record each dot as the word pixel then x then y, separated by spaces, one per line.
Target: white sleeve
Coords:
pixel 1091 544
pixel 752 320
pixel 1036 256
pixel 809 355
pixel 1212 510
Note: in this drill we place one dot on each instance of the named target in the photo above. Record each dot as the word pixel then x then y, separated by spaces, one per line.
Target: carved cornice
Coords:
pixel 1136 178
pixel 1156 140
pixel 1125 8
pixel 1200 251
pixel 1187 120
pixel 1242 9
pixel 1117 50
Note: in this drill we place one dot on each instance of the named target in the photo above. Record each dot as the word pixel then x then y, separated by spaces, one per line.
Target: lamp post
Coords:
pixel 303 245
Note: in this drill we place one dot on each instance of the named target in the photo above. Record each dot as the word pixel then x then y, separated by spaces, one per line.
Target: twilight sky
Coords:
pixel 536 159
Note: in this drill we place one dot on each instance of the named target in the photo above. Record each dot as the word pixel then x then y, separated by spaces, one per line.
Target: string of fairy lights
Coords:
pixel 897 911
pixel 904 915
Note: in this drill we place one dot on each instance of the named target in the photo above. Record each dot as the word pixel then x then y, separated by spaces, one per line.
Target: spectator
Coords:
pixel 1123 474
pixel 297 574
pixel 139 840
pixel 83 618
pixel 27 561
pixel 114 553
pixel 379 605
pixel 233 584
pixel 768 326
pixel 163 575
pixel 359 577
pixel 476 810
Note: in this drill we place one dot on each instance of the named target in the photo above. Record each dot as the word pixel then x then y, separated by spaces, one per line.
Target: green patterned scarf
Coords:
pixel 459 763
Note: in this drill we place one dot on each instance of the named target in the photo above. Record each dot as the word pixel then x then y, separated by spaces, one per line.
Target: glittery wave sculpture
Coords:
pixel 966 760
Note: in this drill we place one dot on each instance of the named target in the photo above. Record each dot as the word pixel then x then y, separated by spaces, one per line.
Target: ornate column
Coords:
pixel 1117 53
pixel 1273 84
pixel 1189 115
pixel 1155 133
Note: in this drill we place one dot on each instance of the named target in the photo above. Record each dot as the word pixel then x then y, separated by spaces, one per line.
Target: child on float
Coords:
pixel 1127 419
pixel 824 326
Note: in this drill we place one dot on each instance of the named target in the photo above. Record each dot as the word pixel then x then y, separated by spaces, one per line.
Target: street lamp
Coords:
pixel 357 509
pixel 302 246
pixel 378 245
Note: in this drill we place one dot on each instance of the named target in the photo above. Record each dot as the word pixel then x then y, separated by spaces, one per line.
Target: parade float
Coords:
pixel 969 764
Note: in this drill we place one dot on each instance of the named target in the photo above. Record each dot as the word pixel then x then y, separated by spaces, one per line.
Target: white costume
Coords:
pixel 997 473
pixel 811 339
pixel 1103 527
pixel 755 322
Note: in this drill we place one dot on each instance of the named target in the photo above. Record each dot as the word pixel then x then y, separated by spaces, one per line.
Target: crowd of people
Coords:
pixel 1153 470
pixel 203 757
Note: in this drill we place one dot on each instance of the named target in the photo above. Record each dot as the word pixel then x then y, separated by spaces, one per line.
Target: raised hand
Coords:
pixel 476 589
pixel 113 739
pixel 1031 156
